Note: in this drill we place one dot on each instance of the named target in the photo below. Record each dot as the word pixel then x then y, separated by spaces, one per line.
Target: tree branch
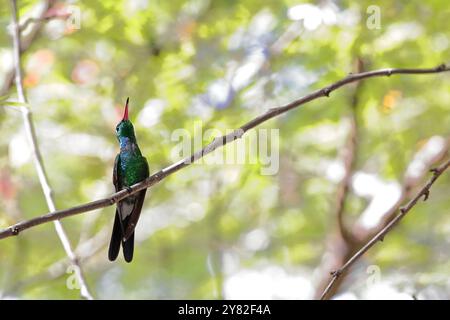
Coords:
pixel 342 251
pixel 37 157
pixel 351 150
pixel 424 192
pixel 215 144
pixel 25 42
pixel 341 241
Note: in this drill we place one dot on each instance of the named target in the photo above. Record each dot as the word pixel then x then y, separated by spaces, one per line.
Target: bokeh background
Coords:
pixel 226 231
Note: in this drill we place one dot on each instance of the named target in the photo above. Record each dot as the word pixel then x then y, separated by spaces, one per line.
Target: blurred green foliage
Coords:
pixel 181 62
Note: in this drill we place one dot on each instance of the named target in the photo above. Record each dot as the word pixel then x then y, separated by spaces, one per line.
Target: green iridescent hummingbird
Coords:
pixel 130 167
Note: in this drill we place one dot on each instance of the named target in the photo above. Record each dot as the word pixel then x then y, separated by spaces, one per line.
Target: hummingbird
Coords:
pixel 130 167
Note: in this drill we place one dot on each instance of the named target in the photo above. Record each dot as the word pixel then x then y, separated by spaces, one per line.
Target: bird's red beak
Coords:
pixel 125 114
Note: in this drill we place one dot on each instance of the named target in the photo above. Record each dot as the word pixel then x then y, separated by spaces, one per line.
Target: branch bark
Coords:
pixel 37 157
pixel 215 144
pixel 424 192
pixel 341 250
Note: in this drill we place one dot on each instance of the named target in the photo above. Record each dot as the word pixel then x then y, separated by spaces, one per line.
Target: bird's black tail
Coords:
pixel 128 248
pixel 117 238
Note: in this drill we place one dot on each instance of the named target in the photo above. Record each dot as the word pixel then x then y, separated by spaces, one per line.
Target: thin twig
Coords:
pixel 424 192
pixel 351 150
pixel 25 42
pixel 341 242
pixel 360 234
pixel 410 181
pixel 38 161
pixel 46 18
pixel 215 144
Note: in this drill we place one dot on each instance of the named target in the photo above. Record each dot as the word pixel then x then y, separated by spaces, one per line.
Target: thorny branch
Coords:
pixel 424 192
pixel 38 161
pixel 215 144
pixel 343 249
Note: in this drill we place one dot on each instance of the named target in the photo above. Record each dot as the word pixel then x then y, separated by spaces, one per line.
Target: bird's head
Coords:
pixel 125 128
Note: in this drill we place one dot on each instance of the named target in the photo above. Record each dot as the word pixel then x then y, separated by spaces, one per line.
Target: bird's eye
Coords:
pixel 117 128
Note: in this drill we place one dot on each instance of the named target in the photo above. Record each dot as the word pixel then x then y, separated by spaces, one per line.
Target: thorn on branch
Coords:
pixel 14 230
pixel 434 170
pixel 158 176
pixel 403 210
pixel 273 109
pixel 441 67
pixel 381 239
pixel 426 194
pixel 336 273
pixel 326 92
pixel 218 140
pixel 389 72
